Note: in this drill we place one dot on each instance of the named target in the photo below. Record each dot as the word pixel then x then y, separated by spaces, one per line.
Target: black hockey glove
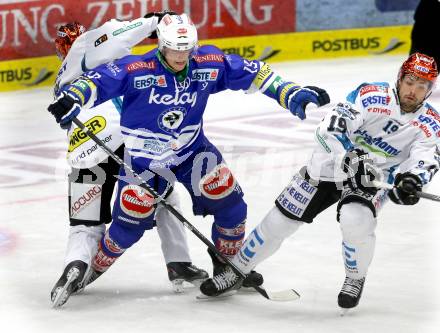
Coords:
pixel 159 15
pixel 64 109
pixel 360 171
pixel 300 97
pixel 405 187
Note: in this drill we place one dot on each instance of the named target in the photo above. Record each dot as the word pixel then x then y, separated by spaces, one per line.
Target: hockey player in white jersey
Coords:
pixel 92 180
pixel 382 131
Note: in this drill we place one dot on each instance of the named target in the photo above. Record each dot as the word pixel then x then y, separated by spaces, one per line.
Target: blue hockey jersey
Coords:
pixel 162 111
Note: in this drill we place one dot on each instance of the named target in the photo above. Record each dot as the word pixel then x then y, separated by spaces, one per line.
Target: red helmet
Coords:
pixel 420 65
pixel 66 35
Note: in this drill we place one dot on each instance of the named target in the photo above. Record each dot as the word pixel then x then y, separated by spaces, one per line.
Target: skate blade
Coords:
pixel 62 294
pixel 177 286
pixel 225 294
pixel 343 311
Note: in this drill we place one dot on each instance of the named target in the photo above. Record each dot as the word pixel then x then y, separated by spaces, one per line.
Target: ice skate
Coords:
pixel 350 294
pixel 221 283
pixel 67 283
pixel 179 272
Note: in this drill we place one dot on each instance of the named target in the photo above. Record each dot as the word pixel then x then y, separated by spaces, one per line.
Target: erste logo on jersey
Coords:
pixel 428 123
pixel 138 65
pixel 219 183
pixel 171 119
pixel 202 75
pixel 136 202
pixel 372 88
pixel 147 81
pixel 376 99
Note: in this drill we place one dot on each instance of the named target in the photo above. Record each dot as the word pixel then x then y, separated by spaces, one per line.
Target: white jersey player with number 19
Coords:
pixel 92 180
pixel 382 131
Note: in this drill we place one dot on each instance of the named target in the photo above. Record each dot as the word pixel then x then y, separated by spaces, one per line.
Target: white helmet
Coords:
pixel 177 32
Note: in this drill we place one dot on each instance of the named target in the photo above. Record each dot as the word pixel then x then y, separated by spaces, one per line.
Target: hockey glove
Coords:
pixel 159 15
pixel 405 187
pixel 360 171
pixel 64 109
pixel 299 99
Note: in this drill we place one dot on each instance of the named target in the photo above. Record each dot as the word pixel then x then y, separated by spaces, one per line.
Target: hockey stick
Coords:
pixel 419 194
pixel 284 295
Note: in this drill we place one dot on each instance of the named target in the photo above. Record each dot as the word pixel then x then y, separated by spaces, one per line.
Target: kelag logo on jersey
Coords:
pixel 384 100
pixel 202 75
pixel 147 81
pixel 375 145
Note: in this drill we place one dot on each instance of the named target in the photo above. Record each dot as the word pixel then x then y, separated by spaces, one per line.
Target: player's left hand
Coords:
pixel 64 109
pixel 405 187
pixel 301 97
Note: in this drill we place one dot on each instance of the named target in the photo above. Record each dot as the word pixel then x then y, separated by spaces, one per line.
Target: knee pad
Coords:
pixel 356 221
pixel 277 225
pixel 124 236
pixel 94 231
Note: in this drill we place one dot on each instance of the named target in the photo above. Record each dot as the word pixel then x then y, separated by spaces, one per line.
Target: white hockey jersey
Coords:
pixel 371 119
pixel 113 40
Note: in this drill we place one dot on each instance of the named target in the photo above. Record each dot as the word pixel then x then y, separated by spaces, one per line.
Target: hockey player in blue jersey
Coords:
pixel 165 95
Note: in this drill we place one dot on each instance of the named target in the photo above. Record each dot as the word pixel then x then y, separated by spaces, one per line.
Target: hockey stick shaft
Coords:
pixel 164 203
pixel 419 194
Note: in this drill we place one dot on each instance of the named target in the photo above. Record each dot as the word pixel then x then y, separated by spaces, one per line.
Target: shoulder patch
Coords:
pixel 372 88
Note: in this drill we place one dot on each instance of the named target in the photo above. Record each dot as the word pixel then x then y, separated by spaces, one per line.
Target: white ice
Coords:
pixel 264 146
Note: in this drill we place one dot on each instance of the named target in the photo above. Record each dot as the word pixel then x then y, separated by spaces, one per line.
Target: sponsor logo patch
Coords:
pixel 101 40
pixel 376 99
pixel 380 111
pixel 111 245
pixel 114 69
pixel 84 200
pixel 219 183
pixel 126 28
pixel 78 137
pixel 147 81
pixel 208 58
pixel 375 145
pixel 177 99
pixel 209 74
pixel 372 88
pixel 136 202
pixel 228 247
pixel 237 231
pixel 297 196
pixel 138 65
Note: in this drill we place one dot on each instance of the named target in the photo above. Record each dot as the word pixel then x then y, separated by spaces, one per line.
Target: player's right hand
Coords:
pixel 300 97
pixel 64 109
pixel 405 187
pixel 159 15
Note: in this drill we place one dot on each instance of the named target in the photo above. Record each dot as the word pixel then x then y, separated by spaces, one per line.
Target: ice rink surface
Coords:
pixel 264 145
